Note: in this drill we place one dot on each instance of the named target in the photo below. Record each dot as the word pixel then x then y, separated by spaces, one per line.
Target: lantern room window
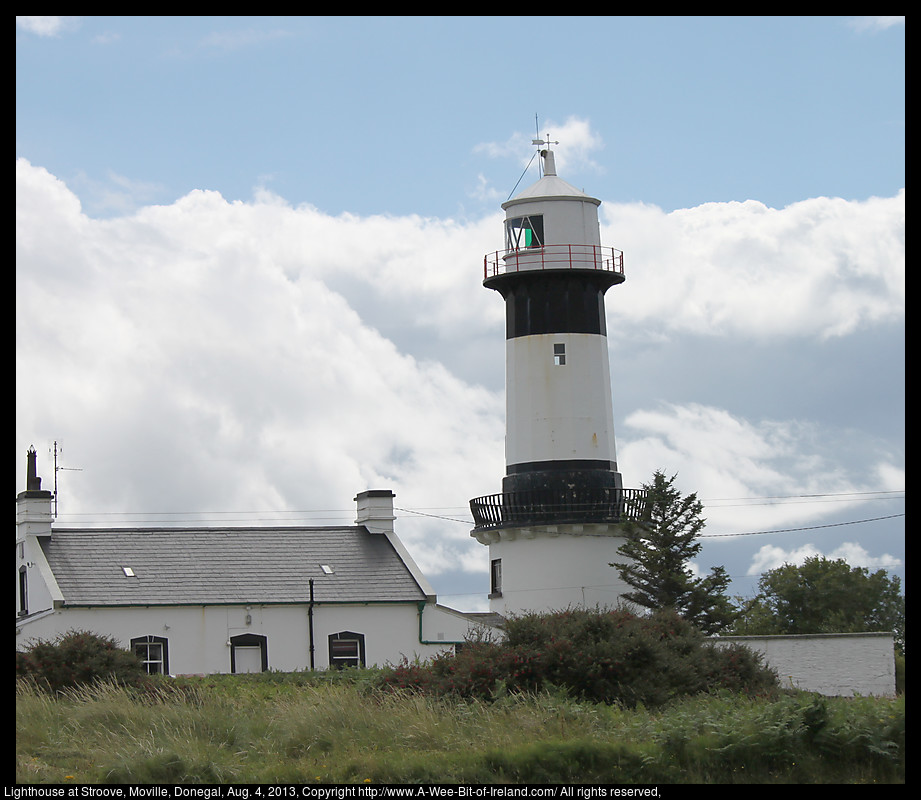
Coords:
pixel 524 232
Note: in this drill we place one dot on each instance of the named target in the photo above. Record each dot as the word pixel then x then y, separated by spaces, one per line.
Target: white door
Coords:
pixel 247 659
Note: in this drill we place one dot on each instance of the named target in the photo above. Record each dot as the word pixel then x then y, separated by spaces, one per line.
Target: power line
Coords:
pixel 842 497
pixel 433 516
pixel 808 528
pixel 802 500
pixel 787 496
pixel 346 514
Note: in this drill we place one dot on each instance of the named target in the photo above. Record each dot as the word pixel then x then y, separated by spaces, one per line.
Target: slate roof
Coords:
pixel 226 565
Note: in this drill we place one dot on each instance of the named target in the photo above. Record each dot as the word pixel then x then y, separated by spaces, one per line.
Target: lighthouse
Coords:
pixel 557 524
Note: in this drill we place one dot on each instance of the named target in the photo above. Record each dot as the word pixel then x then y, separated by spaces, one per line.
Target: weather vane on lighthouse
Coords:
pixel 541 143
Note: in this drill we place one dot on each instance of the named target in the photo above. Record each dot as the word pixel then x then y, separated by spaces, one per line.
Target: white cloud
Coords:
pixel 208 355
pixel 818 268
pixel 116 195
pixel 199 347
pixel 891 478
pixel 574 144
pixel 44 26
pixel 874 24
pixel 577 144
pixel 725 459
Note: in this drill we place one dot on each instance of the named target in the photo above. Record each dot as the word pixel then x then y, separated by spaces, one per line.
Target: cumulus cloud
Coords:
pixel 47 26
pixel 823 267
pixel 874 24
pixel 725 459
pixel 574 144
pixel 202 343
pixel 255 357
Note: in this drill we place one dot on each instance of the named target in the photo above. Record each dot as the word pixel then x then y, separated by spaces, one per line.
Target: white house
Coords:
pixel 230 600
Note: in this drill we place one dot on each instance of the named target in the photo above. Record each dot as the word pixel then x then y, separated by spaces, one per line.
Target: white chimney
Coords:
pixel 375 510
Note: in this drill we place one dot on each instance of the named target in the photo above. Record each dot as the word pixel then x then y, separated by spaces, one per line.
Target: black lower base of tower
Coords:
pixel 562 476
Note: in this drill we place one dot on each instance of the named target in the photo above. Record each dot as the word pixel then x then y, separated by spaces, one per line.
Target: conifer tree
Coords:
pixel 658 550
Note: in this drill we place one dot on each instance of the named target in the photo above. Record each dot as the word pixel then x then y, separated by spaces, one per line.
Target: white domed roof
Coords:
pixel 550 186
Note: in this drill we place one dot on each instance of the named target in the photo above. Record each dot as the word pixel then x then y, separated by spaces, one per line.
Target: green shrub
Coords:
pixel 77 658
pixel 600 656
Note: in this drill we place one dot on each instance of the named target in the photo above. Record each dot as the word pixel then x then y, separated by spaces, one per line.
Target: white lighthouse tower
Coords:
pixel 557 524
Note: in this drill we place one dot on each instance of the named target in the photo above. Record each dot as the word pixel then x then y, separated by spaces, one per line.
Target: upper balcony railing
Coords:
pixel 553 256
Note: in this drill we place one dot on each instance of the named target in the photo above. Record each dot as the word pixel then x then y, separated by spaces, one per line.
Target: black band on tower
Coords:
pixel 553 301
pixel 572 464
pixel 563 479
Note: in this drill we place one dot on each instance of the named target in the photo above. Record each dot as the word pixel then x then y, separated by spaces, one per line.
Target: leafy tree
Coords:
pixel 659 549
pixel 824 596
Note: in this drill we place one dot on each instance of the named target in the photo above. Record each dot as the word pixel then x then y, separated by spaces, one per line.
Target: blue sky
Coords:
pixel 388 114
pixel 249 252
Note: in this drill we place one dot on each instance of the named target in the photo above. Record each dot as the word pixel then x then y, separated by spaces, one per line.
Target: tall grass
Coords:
pixel 306 729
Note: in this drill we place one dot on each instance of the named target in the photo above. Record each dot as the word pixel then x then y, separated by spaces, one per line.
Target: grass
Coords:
pixel 303 728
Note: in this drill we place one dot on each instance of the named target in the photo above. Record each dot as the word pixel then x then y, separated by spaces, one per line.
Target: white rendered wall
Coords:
pixel 834 664
pixel 552 572
pixel 198 635
pixel 41 588
pixel 558 412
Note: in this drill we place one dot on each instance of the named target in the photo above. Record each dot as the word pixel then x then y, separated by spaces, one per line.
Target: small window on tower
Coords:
pixel 495 578
pixel 559 354
pixel 23 591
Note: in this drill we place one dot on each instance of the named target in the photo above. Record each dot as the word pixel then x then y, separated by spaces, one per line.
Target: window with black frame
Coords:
pixel 153 652
pixel 495 578
pixel 346 649
pixel 23 591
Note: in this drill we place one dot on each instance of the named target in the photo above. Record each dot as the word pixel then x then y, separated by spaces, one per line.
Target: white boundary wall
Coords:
pixel 832 664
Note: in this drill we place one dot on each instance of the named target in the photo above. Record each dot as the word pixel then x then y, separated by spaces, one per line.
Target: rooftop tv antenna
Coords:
pixel 56 468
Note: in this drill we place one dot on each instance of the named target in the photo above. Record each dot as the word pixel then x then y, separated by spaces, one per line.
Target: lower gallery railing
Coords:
pixel 542 507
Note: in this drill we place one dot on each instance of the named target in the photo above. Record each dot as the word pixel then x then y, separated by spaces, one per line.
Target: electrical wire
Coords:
pixel 807 528
pixel 300 516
